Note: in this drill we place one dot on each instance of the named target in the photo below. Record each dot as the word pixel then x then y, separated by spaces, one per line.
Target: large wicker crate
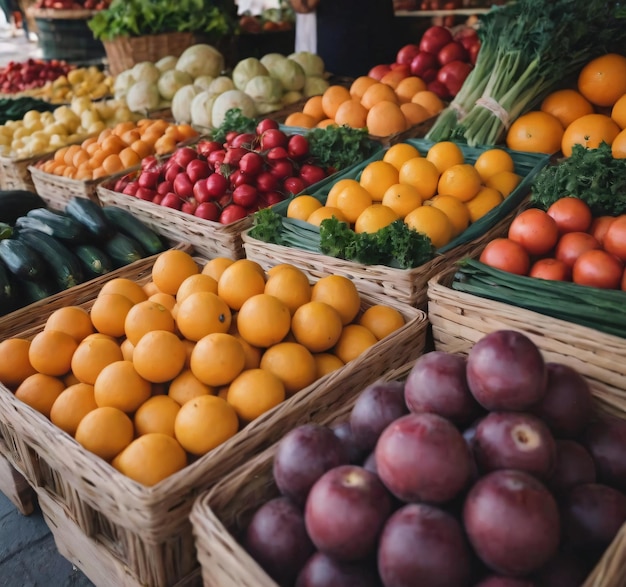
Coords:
pixel 15 173
pixel 147 531
pixel 380 281
pixel 15 487
pixel 460 319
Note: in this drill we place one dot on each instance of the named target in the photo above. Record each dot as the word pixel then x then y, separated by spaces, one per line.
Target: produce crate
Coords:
pixel 380 281
pixel 15 487
pixel 15 173
pixel 222 513
pixel 460 319
pixel 146 530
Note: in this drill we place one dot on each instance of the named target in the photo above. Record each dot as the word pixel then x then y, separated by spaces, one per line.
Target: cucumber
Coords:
pixel 127 224
pixel 123 250
pixel 90 215
pixel 54 224
pixel 22 260
pixel 6 230
pixel 64 267
pixel 16 203
pixel 8 293
pixel 95 262
pixel 33 291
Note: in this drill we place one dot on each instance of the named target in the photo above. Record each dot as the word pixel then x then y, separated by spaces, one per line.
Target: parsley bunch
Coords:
pixel 339 147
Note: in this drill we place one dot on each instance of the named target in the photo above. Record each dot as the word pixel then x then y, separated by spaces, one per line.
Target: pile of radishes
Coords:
pixel 486 471
pixel 18 76
pixel 227 182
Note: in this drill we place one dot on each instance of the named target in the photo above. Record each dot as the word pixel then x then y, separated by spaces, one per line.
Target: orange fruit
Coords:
pixel 360 85
pixel 603 80
pixel 72 320
pixel 326 363
pixel 92 356
pixel 240 281
pixel 351 201
pixel 351 113
pixel 618 112
pixel 317 326
pixel 263 320
pixel 444 155
pixel 455 210
pixel 483 202
pixel 377 177
pixel 156 414
pixel 159 356
pixel 215 267
pixel 353 342
pixel 393 78
pixel 589 131
pixel 108 313
pixel 14 362
pixel 70 379
pixel 202 313
pixel 146 316
pixel 129 157
pixel 105 432
pixel 186 386
pixel 331 198
pixel 432 222
pixel 493 161
pixel 399 154
pixel 195 283
pixel 126 287
pixel 326 123
pixel 313 107
pixel 535 132
pixel 291 286
pixel 167 300
pixel 428 100
pixel 378 93
pixel 119 386
pixel 332 98
pixel 71 406
pixel 381 320
pixel 461 181
pixel 40 392
pixel 375 217
pixel 217 359
pixel 113 164
pixel 324 213
pixel 300 120
pixel 504 182
pixel 127 349
pixel 205 422
pixel 408 87
pixel 301 207
pixel 385 118
pixel 414 113
pixel 151 458
pixel 51 351
pixel 292 363
pixel 566 105
pixel 402 198
pixel 422 175
pixel 339 292
pixel 255 392
pixel 171 268
pixel 618 148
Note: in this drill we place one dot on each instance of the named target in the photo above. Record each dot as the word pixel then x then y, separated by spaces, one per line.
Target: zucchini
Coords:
pixel 63 265
pixel 6 230
pixel 90 215
pixel 123 250
pixel 54 224
pixel 33 291
pixel 127 224
pixel 95 262
pixel 16 203
pixel 8 293
pixel 22 260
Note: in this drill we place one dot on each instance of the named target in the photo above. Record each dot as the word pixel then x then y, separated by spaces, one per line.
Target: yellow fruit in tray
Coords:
pixel 381 320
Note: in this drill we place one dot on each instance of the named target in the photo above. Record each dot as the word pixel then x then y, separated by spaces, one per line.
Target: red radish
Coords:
pixel 245 195
pixel 277 154
pixel 148 179
pixel 158 199
pixel 266 124
pixel 434 38
pixel 251 164
pixel 231 136
pixel 282 169
pixel 197 169
pixel 232 213
pixel 271 198
pixel 438 88
pixel 171 173
pixel 184 155
pixel 422 63
pixel 453 51
pixel 216 185
pixel 200 192
pixel 171 200
pixel 183 186
pixel 216 158
pixel 164 187
pixel 297 147
pixel 206 147
pixel 273 137
pixel 189 206
pixel 473 53
pixel 311 174
pixel 131 189
pixel 266 182
pixel 378 71
pixel 234 155
pixel 208 211
pixel 294 185
pixel 148 162
pixel 406 54
pixel 146 194
pixel 237 178
pixel 245 139
pixel 453 74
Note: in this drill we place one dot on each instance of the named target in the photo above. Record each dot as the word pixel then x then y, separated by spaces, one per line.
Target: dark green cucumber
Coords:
pixel 90 215
pixel 8 293
pixel 16 203
pixel 33 291
pixel 6 230
pixel 22 260
pixel 127 224
pixel 55 224
pixel 123 250
pixel 63 266
pixel 94 260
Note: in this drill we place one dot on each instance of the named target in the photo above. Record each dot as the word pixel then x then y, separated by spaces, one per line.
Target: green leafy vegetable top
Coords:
pixel 267 226
pixel 234 120
pixel 340 146
pixel 593 175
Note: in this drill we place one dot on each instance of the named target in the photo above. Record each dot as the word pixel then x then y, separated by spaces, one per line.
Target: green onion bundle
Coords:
pixel 528 48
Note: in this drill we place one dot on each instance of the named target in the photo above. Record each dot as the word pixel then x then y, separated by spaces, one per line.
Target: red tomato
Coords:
pixel 615 238
pixel 597 268
pixel 571 215
pixel 599 226
pixel 623 282
pixel 506 255
pixel 572 244
pixel 537 232
pixel 549 268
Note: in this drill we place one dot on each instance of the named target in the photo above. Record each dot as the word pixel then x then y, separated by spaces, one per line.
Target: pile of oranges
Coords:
pixel 438 194
pixel 383 107
pixel 592 113
pixel 118 148
pixel 155 375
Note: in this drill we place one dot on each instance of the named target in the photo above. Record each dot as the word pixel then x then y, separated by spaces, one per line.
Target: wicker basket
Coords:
pixel 124 52
pixel 15 173
pixel 220 514
pixel 147 531
pixel 15 488
pixel 460 319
